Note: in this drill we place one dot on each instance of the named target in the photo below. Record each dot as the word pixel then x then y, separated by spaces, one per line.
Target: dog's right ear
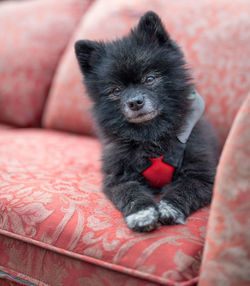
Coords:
pixel 151 29
pixel 87 53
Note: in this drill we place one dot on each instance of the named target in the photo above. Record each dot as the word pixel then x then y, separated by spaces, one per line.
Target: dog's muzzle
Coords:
pixel 139 109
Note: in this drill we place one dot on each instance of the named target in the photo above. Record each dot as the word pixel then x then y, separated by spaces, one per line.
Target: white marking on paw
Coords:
pixel 142 218
pixel 166 210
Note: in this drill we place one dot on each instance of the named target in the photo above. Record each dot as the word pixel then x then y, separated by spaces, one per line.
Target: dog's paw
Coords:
pixel 168 214
pixel 144 220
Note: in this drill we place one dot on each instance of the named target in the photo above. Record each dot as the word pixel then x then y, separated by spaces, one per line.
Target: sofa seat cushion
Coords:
pixel 58 228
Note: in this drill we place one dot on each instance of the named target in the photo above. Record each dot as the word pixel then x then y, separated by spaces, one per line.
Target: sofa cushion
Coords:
pixel 4 126
pixel 33 36
pixel 57 227
pixel 213 34
pixel 226 259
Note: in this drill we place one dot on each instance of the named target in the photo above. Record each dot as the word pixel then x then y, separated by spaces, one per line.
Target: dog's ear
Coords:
pixel 87 53
pixel 150 27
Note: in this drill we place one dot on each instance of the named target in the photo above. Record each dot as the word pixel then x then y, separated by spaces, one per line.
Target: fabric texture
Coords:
pixel 51 203
pixel 213 34
pixel 56 226
pixel 227 253
pixel 33 36
pixel 4 126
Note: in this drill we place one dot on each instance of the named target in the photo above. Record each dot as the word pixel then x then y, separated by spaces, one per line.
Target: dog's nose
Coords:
pixel 136 103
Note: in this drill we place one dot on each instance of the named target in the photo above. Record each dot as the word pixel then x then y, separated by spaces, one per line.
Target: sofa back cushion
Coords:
pixel 33 36
pixel 213 34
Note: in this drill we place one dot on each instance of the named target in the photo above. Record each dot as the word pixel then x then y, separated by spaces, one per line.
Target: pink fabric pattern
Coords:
pixel 51 201
pixel 227 253
pixel 33 36
pixel 56 226
pixel 213 34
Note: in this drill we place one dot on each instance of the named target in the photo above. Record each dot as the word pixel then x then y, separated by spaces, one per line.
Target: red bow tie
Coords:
pixel 160 170
pixel 159 173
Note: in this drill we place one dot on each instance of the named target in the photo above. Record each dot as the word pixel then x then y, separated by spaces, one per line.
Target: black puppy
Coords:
pixel 140 86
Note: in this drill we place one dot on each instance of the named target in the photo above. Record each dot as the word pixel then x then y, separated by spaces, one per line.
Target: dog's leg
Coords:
pixel 194 185
pixel 192 190
pixel 183 197
pixel 135 203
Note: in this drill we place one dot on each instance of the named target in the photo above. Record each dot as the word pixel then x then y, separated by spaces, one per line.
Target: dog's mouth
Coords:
pixel 141 117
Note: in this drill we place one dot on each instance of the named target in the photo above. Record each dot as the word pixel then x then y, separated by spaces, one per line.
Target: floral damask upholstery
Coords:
pixel 56 226
pixel 51 200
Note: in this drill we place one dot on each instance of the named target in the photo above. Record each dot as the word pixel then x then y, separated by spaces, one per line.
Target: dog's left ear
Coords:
pixel 151 28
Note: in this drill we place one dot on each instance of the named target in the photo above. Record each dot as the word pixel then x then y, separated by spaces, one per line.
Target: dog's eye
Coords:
pixel 149 80
pixel 116 91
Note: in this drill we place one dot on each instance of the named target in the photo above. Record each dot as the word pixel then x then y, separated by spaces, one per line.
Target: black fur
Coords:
pixel 128 64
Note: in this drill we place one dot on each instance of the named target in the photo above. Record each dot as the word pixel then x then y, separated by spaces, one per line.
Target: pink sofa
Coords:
pixel 56 226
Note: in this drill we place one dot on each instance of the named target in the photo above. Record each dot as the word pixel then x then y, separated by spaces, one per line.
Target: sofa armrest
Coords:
pixel 226 259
